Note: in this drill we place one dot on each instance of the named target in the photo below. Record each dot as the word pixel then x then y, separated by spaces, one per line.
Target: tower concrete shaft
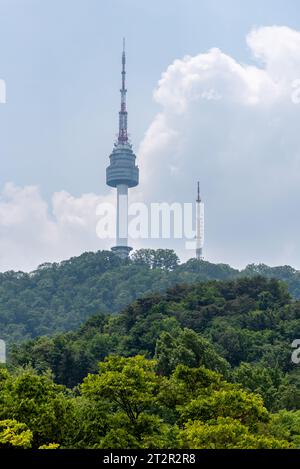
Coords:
pixel 122 215
pixel 122 172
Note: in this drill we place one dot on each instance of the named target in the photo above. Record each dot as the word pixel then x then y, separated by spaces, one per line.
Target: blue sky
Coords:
pixel 61 64
pixel 60 61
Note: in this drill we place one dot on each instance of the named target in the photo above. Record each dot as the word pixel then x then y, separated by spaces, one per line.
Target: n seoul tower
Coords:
pixel 122 172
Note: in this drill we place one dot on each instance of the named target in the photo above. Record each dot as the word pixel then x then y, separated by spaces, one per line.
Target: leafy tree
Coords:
pixel 50 446
pixel 226 433
pixel 164 259
pixel 37 402
pixel 129 383
pixel 129 387
pixel 286 425
pixel 14 435
pixel 261 380
pixel 148 431
pixel 234 403
pixel 187 348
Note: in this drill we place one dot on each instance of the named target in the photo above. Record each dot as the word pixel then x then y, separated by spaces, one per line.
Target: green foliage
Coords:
pixel 233 403
pixel 286 425
pixel 201 366
pixel 215 324
pixel 226 433
pixel 129 404
pixel 50 446
pixel 164 259
pixel 268 382
pixel 40 404
pixel 58 297
pixel 188 348
pixel 14 435
pixel 129 383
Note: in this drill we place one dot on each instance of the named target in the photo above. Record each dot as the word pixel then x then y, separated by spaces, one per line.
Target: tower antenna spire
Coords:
pixel 123 134
pixel 198 194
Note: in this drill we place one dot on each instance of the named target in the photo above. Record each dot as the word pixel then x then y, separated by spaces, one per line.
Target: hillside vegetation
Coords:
pixel 60 296
pixel 243 329
pixel 200 366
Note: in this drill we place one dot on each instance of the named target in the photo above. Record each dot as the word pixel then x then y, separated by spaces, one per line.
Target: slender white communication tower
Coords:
pixel 199 226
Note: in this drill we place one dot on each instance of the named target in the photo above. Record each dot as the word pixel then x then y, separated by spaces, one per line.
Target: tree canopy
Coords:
pixel 129 404
pixel 202 364
pixel 58 297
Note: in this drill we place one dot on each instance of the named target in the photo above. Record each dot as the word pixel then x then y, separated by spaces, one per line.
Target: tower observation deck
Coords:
pixel 122 171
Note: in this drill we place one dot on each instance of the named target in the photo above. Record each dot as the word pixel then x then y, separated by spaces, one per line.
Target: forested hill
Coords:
pixel 60 296
pixel 199 366
pixel 242 329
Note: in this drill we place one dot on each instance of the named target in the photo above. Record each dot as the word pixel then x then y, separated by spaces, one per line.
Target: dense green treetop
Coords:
pixel 128 403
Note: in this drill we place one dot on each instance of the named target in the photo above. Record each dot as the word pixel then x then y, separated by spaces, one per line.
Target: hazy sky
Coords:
pixel 210 88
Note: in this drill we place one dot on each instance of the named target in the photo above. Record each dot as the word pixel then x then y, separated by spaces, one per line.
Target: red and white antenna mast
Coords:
pixel 199 225
pixel 123 134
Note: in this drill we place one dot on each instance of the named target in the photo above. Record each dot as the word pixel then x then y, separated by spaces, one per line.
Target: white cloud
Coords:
pixel 31 232
pixel 243 146
pixel 277 47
